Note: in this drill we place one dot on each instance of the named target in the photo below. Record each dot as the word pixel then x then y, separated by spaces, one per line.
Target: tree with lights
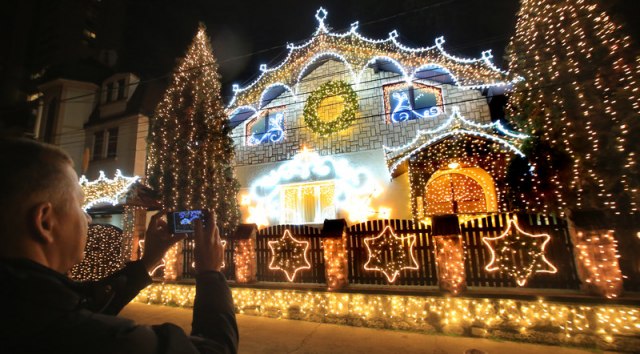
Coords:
pixel 190 150
pixel 580 102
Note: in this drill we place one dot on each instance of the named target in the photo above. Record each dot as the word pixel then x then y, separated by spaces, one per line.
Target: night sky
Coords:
pixel 248 33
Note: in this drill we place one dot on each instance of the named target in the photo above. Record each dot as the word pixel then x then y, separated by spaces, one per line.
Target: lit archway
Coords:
pixel 460 191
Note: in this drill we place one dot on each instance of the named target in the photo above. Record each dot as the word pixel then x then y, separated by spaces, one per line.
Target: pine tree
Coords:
pixel 190 150
pixel 580 101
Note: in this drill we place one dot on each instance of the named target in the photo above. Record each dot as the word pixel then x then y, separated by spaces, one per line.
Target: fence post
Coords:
pixel 596 253
pixel 449 253
pixel 335 253
pixel 244 253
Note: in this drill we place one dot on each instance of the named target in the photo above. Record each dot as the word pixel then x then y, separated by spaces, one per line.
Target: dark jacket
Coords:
pixel 45 312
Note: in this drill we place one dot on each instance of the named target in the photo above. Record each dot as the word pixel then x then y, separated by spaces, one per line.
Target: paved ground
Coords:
pixel 267 335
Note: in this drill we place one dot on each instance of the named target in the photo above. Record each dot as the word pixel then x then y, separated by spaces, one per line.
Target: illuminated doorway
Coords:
pixel 460 191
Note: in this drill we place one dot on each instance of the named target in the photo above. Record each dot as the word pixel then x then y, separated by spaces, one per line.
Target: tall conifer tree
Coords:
pixel 191 153
pixel 580 101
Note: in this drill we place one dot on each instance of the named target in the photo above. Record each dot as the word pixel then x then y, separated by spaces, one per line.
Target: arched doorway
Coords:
pixel 460 191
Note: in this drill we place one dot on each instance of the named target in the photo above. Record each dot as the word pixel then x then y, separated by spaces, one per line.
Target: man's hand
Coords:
pixel 209 252
pixel 157 241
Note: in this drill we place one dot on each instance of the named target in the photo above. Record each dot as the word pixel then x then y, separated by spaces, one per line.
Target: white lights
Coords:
pixel 354 187
pixel 354 50
pixel 105 190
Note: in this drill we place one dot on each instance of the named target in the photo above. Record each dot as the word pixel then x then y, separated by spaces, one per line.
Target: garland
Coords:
pixel 346 117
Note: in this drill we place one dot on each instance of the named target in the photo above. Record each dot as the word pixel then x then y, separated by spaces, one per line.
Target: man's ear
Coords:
pixel 42 220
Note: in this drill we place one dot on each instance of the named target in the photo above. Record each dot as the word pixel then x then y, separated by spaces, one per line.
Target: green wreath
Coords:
pixel 346 117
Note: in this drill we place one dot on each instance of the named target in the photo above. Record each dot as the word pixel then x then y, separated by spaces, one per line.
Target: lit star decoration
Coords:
pixel 289 255
pixel 387 242
pixel 105 190
pixel 507 245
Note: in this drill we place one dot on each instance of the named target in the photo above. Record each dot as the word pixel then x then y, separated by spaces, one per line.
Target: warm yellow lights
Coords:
pixel 102 254
pixel 504 248
pixel 384 213
pixel 450 261
pixel 289 255
pixel 453 165
pixel 557 322
pixel 387 254
pixel 598 261
pixel 335 262
pixel 245 199
pixel 580 102
pixel 245 260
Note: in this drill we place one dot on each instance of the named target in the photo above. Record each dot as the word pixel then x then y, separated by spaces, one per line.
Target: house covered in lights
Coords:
pixel 358 128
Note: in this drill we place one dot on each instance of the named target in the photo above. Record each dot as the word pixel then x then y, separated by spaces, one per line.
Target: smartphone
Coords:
pixel 183 222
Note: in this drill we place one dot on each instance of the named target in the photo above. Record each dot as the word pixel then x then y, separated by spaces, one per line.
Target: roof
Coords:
pixel 455 125
pixel 360 53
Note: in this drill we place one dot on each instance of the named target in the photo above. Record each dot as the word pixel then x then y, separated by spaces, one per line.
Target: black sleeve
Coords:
pixel 214 317
pixel 111 294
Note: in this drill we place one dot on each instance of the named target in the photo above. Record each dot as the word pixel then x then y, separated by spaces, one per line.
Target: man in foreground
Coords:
pixel 43 231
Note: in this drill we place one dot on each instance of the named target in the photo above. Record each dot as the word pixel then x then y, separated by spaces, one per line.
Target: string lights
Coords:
pixel 390 254
pixel 335 262
pixel 555 323
pixel 345 118
pixel 102 255
pixel 105 190
pixel 450 262
pixel 190 151
pixel 598 261
pixel 580 102
pixel 504 248
pixel 244 258
pixel 289 255
pixel 353 188
pixel 358 53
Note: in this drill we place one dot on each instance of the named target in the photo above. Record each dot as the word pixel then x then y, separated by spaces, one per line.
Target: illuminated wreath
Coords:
pixel 346 117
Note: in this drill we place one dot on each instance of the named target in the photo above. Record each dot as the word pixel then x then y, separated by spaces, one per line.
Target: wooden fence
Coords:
pixel 301 233
pixel 423 251
pixel 559 252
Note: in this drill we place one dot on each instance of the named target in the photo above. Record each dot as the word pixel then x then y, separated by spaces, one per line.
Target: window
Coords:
pixel 109 96
pixel 98 145
pixel 120 89
pixel 105 141
pixel 308 203
pixel 268 127
pixel 405 102
pixel 112 144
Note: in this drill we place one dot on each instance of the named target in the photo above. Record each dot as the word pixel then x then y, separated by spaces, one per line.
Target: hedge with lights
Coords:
pixel 346 117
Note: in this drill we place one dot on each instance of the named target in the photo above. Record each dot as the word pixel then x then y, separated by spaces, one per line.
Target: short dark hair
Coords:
pixel 30 169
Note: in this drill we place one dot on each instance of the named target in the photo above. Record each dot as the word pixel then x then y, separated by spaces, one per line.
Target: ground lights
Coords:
pixel 563 321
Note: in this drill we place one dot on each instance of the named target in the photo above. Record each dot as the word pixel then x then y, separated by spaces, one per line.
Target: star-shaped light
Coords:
pixel 505 248
pixel 105 190
pixel 289 255
pixel 388 244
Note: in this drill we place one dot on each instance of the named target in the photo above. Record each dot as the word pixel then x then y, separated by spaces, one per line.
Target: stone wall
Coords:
pixel 370 130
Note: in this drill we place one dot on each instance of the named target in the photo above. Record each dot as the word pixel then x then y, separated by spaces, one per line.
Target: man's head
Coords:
pixel 41 216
